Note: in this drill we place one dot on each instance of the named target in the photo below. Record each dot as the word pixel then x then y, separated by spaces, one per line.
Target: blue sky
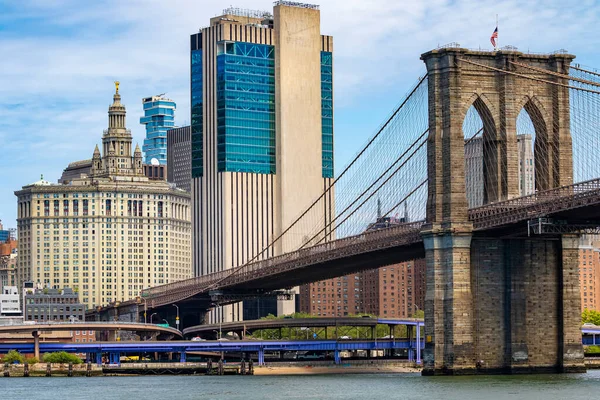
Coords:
pixel 58 59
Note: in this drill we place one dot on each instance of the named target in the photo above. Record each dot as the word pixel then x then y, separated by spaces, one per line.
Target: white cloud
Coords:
pixel 57 80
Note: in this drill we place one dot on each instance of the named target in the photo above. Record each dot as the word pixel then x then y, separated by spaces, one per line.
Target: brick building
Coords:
pixel 335 297
pixel 395 291
pixel 589 272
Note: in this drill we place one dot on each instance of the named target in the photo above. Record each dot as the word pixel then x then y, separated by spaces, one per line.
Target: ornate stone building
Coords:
pixel 105 229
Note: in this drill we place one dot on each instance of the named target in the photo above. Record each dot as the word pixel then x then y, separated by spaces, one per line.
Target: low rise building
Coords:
pixel 53 305
pixel 9 302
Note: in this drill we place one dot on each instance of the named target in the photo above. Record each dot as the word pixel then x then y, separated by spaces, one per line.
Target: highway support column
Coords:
pixel 36 344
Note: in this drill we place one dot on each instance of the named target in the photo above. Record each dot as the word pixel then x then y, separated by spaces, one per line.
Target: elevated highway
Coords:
pixel 244 327
pixel 35 329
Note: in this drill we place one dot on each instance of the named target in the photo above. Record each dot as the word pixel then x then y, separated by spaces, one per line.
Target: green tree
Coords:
pixel 61 357
pixel 590 317
pixel 13 356
pixel 591 350
pixel 31 360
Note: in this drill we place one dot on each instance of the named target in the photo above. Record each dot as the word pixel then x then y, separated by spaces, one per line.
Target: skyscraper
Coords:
pixel 159 116
pixel 179 157
pixel 262 134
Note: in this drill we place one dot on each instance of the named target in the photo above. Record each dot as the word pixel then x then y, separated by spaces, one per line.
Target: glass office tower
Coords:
pixel 159 117
pixel 262 137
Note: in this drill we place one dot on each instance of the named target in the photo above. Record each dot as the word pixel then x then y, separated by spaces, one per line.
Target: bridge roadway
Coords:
pixel 243 327
pixel 116 349
pixel 377 248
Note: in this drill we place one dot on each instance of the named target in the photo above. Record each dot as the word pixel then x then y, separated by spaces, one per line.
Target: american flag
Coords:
pixel 494 37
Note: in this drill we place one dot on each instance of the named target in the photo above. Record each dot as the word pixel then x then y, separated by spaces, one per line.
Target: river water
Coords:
pixel 369 386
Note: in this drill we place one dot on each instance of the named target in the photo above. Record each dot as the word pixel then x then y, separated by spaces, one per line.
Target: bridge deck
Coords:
pixel 373 249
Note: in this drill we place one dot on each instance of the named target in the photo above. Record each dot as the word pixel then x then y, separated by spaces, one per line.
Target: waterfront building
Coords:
pixel 107 231
pixel 179 157
pixel 261 136
pixel 159 117
pixel 9 302
pixel 474 168
pixel 53 305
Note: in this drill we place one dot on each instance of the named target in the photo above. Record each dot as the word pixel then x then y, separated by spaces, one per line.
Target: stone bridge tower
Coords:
pixel 494 304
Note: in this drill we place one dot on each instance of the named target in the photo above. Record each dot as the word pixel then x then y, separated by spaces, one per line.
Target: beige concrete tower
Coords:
pixel 245 196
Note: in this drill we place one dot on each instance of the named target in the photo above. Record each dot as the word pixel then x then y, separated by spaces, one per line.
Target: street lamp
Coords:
pixel 177 318
pixel 152 315
pixel 166 322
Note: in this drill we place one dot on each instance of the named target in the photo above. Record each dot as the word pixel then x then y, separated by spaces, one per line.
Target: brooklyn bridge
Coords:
pixel 500 262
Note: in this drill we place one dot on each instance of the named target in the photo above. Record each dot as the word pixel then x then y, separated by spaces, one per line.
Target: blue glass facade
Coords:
pixel 246 108
pixel 245 94
pixel 197 113
pixel 159 116
pixel 327 113
pixel 4 235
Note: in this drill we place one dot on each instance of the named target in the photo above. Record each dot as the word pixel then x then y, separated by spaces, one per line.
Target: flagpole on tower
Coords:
pixel 497 39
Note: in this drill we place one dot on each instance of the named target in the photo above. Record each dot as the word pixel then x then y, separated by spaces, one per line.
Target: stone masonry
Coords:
pixel 497 305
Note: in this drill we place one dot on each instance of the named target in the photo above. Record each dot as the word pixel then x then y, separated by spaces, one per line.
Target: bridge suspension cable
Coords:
pixel 392 138
pixel 584 112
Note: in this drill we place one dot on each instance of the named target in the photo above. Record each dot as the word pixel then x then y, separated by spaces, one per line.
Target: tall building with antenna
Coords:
pixel 106 230
pixel 262 136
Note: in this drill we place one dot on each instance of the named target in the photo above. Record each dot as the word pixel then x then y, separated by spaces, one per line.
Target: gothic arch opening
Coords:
pixel 482 162
pixel 536 148
pixel 526 141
